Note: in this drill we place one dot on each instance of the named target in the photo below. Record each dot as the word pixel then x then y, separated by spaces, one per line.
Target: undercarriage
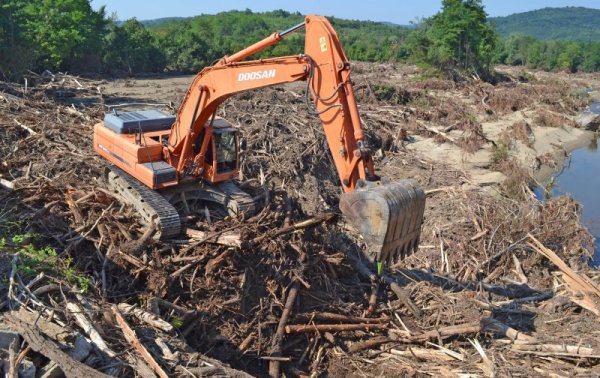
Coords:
pixel 168 208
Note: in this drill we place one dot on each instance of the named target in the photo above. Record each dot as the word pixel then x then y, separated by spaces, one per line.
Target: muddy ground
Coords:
pixel 481 297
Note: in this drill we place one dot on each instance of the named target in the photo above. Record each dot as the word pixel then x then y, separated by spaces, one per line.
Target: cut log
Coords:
pixel 422 354
pixel 445 332
pixel 135 342
pixel 145 316
pixel 585 292
pixel 45 346
pixel 81 350
pixel 229 239
pixel 369 344
pixel 276 345
pixel 339 318
pixel 557 350
pixel 306 328
pixel 88 328
pixel 300 225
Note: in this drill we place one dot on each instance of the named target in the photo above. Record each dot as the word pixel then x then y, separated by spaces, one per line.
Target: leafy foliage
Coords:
pixel 458 38
pixel 569 56
pixel 200 40
pixel 33 260
pixel 63 32
pixel 70 35
pixel 48 34
pixel 14 48
pixel 132 48
pixel 569 23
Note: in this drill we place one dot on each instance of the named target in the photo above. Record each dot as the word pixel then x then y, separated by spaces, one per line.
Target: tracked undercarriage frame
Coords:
pixel 165 207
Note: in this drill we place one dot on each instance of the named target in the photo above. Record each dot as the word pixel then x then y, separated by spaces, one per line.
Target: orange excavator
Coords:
pixel 167 165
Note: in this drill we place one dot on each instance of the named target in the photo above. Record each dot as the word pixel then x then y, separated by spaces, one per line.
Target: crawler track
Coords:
pixel 152 206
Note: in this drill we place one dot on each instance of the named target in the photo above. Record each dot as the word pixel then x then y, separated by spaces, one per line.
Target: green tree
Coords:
pixel 517 49
pixel 15 53
pixel 132 48
pixel 458 38
pixel 535 54
pixel 185 50
pixel 63 32
pixel 571 57
pixel 591 57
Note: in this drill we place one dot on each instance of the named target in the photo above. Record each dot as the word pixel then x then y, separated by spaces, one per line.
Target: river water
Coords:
pixel 580 178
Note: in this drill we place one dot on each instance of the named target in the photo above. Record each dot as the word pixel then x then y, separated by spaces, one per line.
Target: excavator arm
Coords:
pixel 387 214
pixel 326 69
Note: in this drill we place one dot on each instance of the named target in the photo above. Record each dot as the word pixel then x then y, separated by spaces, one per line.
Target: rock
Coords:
pixel 82 349
pixel 588 120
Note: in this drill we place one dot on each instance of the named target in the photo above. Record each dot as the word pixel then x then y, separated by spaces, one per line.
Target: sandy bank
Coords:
pixel 542 156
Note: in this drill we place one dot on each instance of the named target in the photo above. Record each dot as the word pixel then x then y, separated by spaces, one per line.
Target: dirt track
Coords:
pixel 476 276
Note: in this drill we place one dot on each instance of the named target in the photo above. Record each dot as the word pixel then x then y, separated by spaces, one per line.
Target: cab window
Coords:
pixel 226 146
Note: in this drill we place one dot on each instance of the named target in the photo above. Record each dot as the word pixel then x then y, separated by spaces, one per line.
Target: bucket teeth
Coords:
pixel 389 218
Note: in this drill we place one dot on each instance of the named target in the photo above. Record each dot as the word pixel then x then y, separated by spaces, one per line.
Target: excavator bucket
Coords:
pixel 388 216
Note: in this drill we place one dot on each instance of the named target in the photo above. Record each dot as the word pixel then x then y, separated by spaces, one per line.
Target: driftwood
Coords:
pixel 339 317
pixel 586 292
pixel 45 346
pixel 80 351
pixel 306 328
pixel 423 354
pixel 145 316
pixel 133 247
pixel 8 185
pixel 497 327
pixel 557 350
pixel 438 132
pixel 441 333
pixel 236 308
pixel 229 239
pixel 50 329
pixel 212 371
pixel 298 226
pixel 488 365
pixel 445 332
pixel 88 328
pixel 135 342
pixel 274 365
pixel 369 344
pixel 367 273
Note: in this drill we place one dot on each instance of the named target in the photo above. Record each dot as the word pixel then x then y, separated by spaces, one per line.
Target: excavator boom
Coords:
pixel 388 215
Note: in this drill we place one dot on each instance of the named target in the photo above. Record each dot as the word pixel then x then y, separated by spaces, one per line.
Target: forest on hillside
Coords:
pixel 69 35
pixel 568 23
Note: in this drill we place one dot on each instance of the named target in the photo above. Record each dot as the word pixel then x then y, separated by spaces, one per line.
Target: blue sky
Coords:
pixel 397 11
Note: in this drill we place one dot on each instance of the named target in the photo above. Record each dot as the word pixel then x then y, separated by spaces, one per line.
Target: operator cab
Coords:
pixel 222 152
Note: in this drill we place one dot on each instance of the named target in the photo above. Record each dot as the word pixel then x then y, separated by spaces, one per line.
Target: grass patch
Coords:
pixel 35 259
pixel 499 154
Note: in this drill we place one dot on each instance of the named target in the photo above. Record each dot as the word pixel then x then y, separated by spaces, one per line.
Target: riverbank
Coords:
pixel 537 138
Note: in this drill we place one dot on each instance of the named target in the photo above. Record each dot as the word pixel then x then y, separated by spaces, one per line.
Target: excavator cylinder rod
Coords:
pixel 292 29
pixel 389 218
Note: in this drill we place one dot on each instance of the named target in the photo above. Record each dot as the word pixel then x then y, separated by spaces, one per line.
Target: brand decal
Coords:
pixel 323 43
pixel 257 75
pixel 113 154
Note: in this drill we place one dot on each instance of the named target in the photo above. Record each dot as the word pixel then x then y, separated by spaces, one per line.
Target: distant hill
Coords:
pixel 569 23
pixel 227 32
pixel 160 21
pixel 157 21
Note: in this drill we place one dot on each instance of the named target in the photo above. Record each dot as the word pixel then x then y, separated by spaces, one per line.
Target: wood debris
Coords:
pixel 286 290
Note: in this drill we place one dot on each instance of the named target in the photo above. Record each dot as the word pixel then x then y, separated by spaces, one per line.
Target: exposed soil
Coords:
pixel 476 299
